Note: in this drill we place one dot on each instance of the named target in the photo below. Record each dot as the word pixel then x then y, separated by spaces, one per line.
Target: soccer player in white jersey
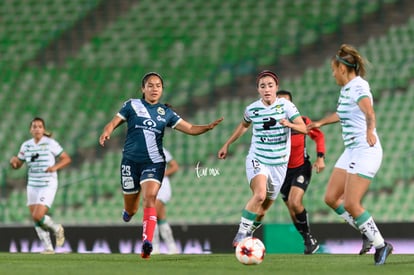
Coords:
pixel 40 154
pixel 361 159
pixel 163 228
pixel 272 119
pixel 143 160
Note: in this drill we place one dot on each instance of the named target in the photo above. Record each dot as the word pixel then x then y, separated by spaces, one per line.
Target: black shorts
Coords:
pixel 133 173
pixel 299 177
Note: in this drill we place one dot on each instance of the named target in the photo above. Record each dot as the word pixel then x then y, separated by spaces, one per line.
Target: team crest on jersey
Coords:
pixel 161 111
pixel 279 109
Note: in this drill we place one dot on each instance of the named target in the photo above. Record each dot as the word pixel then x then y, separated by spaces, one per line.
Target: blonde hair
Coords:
pixel 351 58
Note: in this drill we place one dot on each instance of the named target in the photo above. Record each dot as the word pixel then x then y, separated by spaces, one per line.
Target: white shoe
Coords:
pixel 60 236
pixel 48 251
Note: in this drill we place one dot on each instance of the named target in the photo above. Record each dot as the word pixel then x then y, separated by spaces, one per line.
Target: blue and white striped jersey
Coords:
pixel 146 125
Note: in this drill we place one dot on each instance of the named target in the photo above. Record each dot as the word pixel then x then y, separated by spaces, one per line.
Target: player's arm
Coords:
pixel 63 161
pixel 329 119
pixel 194 130
pixel 297 124
pixel 16 163
pixel 109 128
pixel 319 138
pixel 172 167
pixel 238 132
pixel 366 107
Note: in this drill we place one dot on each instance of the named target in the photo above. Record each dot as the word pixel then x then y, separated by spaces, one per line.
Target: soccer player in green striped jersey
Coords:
pixel 361 159
pixel 40 154
pixel 272 119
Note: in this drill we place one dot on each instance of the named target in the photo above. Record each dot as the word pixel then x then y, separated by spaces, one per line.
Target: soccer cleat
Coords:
pixel 382 253
pixel 60 236
pixel 366 245
pixel 240 236
pixel 311 244
pixel 146 249
pixel 125 216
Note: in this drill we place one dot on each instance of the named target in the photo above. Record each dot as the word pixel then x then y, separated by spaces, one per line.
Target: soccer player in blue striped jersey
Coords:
pixel 272 119
pixel 143 160
pixel 40 154
pixel 361 159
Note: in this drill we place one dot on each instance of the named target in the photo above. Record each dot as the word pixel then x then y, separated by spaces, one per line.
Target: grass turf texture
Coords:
pixel 29 263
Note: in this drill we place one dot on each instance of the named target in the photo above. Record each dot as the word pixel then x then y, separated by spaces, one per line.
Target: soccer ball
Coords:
pixel 250 251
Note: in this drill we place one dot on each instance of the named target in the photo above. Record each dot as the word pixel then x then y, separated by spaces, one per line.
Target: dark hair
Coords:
pixel 284 92
pixel 46 133
pixel 351 58
pixel 267 73
pixel 148 75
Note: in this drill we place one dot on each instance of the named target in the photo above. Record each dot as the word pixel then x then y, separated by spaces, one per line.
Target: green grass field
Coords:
pixel 29 263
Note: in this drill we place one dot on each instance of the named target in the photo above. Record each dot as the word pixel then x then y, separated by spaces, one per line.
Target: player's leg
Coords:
pixel 131 204
pixel 41 229
pixel 48 195
pixel 130 183
pixel 165 228
pixel 252 208
pixel 149 221
pixel 39 201
pixel 156 241
pixel 301 219
pixel 355 190
pixel 334 199
pixel 44 237
pixel 159 206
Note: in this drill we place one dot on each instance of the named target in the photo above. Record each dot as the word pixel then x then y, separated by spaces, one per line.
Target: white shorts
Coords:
pixel 364 161
pixel 275 175
pixel 164 194
pixel 41 195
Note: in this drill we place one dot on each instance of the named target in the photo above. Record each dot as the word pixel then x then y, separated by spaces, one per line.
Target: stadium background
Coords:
pixel 75 62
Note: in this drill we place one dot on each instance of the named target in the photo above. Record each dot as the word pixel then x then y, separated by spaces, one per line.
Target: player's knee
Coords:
pixel 295 205
pixel 330 201
pixel 259 198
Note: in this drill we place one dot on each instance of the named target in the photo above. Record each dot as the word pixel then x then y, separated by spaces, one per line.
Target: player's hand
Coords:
pixel 103 138
pixel 313 124
pixel 319 165
pixel 285 122
pixel 214 123
pixel 371 139
pixel 14 162
pixel 222 153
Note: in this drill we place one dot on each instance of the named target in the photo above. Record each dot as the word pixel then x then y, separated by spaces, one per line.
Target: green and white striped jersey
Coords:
pixel 270 142
pixel 352 119
pixel 38 157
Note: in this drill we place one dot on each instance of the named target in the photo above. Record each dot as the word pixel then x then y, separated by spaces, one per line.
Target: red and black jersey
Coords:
pixel 298 144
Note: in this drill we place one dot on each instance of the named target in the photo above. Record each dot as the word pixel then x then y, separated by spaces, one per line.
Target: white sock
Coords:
pixel 48 222
pixel 349 219
pixel 167 235
pixel 156 241
pixel 369 228
pixel 245 226
pixel 44 237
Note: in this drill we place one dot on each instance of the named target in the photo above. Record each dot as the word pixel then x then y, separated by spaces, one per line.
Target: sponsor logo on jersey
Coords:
pixel 127 182
pixel 159 118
